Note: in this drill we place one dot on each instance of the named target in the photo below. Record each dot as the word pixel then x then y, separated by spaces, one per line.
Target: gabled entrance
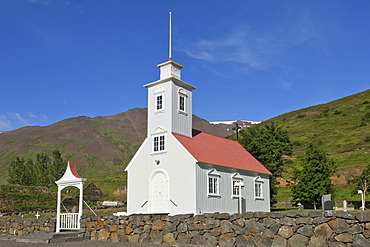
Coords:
pixel 69 221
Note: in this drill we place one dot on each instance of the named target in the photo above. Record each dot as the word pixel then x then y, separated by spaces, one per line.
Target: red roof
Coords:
pixel 216 150
pixel 73 169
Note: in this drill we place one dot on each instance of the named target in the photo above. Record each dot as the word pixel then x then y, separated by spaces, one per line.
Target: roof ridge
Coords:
pixel 202 132
pixel 219 137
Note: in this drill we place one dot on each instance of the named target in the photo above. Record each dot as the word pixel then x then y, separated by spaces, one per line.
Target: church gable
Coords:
pixel 158 131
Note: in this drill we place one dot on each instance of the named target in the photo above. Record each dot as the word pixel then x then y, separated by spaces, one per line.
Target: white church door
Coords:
pixel 160 188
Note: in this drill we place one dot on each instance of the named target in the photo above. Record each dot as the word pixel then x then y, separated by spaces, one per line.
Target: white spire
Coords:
pixel 170 45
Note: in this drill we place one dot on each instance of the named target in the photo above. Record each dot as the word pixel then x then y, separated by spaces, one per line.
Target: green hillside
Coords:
pixel 101 146
pixel 343 128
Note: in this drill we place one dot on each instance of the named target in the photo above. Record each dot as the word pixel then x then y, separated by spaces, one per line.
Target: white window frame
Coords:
pixel 157 105
pixel 182 95
pixel 159 141
pixel 159 93
pixel 182 103
pixel 213 176
pixel 258 188
pixel 234 179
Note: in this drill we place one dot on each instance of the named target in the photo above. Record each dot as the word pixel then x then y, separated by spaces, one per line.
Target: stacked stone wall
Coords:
pixel 23 227
pixel 294 228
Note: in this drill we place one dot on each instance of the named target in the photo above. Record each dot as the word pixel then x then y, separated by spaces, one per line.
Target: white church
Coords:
pixel 178 170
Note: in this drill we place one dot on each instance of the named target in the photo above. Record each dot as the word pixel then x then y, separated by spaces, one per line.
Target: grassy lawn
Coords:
pixel 342 192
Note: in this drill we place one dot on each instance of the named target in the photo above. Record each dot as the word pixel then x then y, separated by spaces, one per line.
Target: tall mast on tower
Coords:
pixel 170 43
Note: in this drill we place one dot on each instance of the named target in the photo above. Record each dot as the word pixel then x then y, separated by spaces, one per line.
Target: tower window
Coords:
pixel 182 103
pixel 159 102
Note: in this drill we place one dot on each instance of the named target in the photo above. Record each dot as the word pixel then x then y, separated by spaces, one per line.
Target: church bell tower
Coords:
pixel 170 101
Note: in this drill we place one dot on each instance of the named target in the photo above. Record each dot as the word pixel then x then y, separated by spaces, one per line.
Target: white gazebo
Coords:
pixel 69 221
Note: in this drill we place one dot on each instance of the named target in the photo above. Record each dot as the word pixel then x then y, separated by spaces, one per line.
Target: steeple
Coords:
pixel 170 100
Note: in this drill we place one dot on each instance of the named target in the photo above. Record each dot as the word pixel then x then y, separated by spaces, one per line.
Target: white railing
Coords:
pixel 69 221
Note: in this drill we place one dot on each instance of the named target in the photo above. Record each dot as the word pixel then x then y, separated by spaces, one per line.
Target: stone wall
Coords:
pixel 23 227
pixel 294 228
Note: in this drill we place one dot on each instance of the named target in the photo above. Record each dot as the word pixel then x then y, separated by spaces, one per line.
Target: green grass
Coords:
pixel 342 192
pixel 13 197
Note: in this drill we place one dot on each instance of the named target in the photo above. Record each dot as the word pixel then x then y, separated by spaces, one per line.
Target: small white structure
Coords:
pixel 179 170
pixel 69 221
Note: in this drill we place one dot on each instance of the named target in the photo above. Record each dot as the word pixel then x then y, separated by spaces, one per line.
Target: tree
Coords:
pixel 361 181
pixel 268 143
pixel 43 171
pixel 20 171
pixel 313 179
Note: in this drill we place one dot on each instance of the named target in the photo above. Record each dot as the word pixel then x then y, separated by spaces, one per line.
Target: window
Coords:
pixel 159 143
pixel 159 102
pixel 236 189
pixel 213 187
pixel 258 188
pixel 182 103
pixel 236 179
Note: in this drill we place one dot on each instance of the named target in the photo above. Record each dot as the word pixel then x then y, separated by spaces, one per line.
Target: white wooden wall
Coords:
pixel 169 118
pixel 226 203
pixel 178 165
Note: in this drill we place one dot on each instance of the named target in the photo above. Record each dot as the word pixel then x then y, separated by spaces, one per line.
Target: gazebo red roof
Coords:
pixel 73 169
pixel 216 150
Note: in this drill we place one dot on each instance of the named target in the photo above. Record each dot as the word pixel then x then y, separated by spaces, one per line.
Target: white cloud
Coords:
pixel 18 118
pixel 255 49
pixel 11 120
pixel 4 123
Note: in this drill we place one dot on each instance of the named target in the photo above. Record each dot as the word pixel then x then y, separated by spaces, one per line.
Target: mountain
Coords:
pixel 342 126
pixel 100 146
pixel 103 146
pixel 230 126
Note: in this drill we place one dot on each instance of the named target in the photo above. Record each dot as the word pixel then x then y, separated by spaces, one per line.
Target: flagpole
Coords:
pixel 170 45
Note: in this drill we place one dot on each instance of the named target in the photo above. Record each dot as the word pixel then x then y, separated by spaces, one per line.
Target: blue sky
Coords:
pixel 249 60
